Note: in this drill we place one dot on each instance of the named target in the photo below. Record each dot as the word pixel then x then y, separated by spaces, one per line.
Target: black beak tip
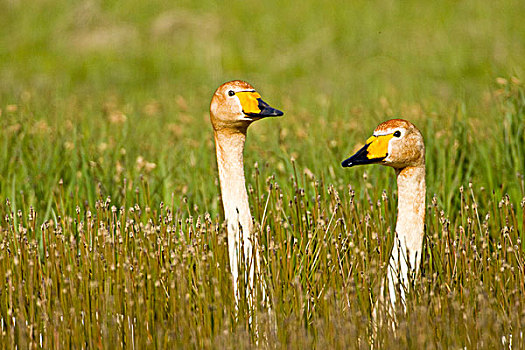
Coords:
pixel 267 111
pixel 271 112
pixel 346 163
pixel 278 113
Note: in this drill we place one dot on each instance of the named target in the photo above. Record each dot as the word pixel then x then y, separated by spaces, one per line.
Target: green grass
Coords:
pixel 111 225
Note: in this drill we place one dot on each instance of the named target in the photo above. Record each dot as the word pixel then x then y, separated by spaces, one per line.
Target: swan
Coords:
pixel 397 143
pixel 234 106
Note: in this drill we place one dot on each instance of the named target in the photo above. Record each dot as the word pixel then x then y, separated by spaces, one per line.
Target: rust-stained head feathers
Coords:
pixel 236 104
pixel 396 143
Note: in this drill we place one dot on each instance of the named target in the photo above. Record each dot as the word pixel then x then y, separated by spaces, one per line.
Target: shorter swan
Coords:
pixel 399 144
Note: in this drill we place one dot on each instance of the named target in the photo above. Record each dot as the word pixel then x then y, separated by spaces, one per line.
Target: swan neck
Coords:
pixel 410 226
pixel 229 146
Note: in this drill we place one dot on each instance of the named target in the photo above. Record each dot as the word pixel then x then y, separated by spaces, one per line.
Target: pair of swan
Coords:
pixel 396 143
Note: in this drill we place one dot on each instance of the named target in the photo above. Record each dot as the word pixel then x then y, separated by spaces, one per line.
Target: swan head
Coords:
pixel 236 104
pixel 396 143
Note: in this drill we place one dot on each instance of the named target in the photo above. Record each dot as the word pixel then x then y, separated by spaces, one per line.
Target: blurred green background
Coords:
pixel 95 92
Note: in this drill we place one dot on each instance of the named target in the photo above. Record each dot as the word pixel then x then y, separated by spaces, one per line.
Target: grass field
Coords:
pixel 112 230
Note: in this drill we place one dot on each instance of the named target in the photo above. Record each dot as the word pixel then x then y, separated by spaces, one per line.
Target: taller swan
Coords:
pixel 234 106
pixel 399 144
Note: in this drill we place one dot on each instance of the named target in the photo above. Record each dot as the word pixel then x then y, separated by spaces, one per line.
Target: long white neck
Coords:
pixel 229 145
pixel 410 227
pixel 230 148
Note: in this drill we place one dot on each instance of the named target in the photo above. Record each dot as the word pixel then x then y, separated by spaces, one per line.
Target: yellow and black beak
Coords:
pixel 374 151
pixel 254 106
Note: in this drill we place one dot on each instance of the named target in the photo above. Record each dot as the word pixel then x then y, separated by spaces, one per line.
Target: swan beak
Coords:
pixel 267 111
pixel 374 151
pixel 254 106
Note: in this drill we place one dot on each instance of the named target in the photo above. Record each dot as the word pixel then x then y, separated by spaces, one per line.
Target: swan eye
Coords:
pixel 397 133
pixel 231 93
